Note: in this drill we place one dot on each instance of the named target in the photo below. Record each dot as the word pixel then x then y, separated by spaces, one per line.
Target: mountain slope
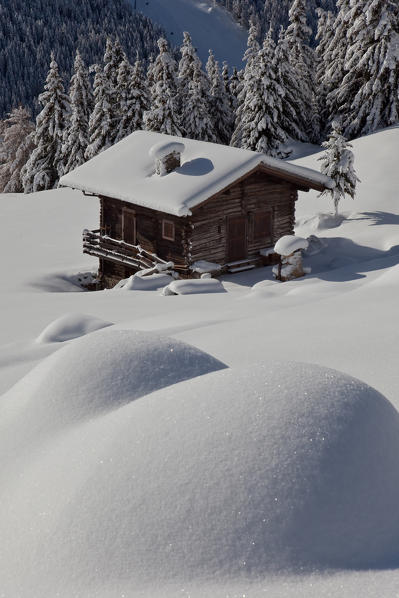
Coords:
pixel 210 26
pixel 30 31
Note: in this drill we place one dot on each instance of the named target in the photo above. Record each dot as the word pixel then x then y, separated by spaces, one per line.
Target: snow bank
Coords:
pixel 194 286
pixel 203 267
pixel 290 243
pixel 229 475
pixel 95 374
pixel 138 282
pixel 70 326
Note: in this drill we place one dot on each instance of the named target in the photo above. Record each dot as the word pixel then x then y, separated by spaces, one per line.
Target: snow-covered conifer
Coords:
pixel 211 67
pixel 250 54
pixel 101 134
pixel 114 56
pixel 16 147
pixel 288 80
pixel 163 115
pixel 189 65
pixel 44 166
pixel 220 108
pixel 302 60
pixel 262 108
pixel 133 98
pixel 197 120
pixel 369 94
pixel 330 79
pixel 325 33
pixel 234 86
pixel 76 136
pixel 337 163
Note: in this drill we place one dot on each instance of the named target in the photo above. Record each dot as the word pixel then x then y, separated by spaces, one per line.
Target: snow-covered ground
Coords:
pixel 139 465
pixel 210 26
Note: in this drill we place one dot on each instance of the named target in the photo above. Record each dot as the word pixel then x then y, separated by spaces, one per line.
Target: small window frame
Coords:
pixel 165 235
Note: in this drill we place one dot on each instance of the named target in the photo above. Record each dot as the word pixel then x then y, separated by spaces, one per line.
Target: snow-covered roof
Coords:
pixel 126 171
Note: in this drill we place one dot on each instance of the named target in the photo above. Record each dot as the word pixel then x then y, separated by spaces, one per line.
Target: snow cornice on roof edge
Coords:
pixel 126 171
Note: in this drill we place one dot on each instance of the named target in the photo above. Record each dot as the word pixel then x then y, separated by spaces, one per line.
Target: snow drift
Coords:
pixel 70 326
pixel 227 475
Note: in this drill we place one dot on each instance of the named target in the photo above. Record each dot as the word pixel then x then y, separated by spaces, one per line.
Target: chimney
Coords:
pixel 167 156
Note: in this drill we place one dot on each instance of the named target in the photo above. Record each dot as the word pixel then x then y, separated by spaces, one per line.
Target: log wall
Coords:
pixel 204 235
pixel 259 192
pixel 148 235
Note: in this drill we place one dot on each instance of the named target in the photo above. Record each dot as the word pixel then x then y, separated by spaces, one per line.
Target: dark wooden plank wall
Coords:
pixel 148 235
pixel 257 192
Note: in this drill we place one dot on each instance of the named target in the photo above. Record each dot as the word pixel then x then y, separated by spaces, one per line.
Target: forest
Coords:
pixel 344 86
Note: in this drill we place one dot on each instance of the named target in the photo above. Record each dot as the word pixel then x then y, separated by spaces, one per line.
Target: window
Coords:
pixel 168 230
pixel 261 226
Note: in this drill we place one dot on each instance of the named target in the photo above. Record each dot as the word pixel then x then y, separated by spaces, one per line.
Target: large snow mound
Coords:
pixel 228 475
pixel 92 375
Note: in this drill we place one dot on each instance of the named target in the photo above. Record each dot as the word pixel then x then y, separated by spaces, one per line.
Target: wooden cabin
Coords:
pixel 201 206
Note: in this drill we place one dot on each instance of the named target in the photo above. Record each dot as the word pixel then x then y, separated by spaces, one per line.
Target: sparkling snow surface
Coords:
pixel 72 439
pixel 126 171
pixel 234 473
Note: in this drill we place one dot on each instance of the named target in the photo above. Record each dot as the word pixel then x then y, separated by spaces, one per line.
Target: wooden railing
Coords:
pixel 100 245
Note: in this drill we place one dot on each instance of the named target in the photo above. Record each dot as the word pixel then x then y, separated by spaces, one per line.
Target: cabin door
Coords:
pixel 129 227
pixel 236 238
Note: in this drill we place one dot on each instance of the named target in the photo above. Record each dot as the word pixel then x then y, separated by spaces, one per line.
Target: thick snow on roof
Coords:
pixel 126 171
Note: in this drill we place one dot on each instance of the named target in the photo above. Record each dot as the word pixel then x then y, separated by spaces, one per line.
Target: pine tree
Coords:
pixel 250 54
pixel 190 66
pixel 334 60
pixel 197 119
pixel 100 124
pixel 16 147
pixel 76 137
pixel 262 109
pixel 324 57
pixel 302 60
pixel 220 110
pixel 288 80
pixel 163 115
pixel 114 56
pixel 234 85
pixel 44 166
pixel 337 163
pixel 369 94
pixel 133 98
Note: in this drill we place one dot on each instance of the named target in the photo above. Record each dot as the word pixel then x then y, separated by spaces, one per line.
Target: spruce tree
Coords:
pixel 197 119
pixel 302 60
pixel 369 93
pixel 44 166
pixel 163 115
pixel 101 133
pixel 337 163
pixel 16 147
pixel 190 66
pixel 76 137
pixel 288 80
pixel 324 58
pixel 250 54
pixel 114 56
pixel 133 98
pixel 220 109
pixel 262 108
